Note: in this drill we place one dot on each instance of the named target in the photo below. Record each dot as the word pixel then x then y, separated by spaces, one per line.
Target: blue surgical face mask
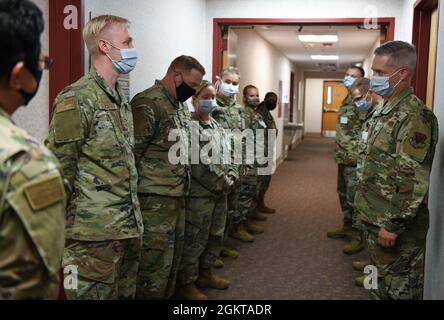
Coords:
pixel 364 104
pixel 229 90
pixel 207 106
pixel 348 81
pixel 128 61
pixel 381 85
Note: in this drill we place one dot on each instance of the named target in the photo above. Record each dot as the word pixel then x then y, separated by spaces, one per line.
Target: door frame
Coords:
pixel 422 14
pixel 66 47
pixel 218 23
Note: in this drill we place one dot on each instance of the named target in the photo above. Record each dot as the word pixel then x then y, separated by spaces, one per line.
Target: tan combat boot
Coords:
pixel 229 253
pixel 345 231
pixel 207 279
pixel 360 265
pixel 356 244
pixel 254 227
pixel 359 281
pixel 264 209
pixel 217 263
pixel 240 233
pixel 259 216
pixel 190 292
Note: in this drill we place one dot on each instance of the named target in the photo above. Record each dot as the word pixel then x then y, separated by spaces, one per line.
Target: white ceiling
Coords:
pixel 352 47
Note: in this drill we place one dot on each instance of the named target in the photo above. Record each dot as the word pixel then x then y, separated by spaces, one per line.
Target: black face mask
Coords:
pixel 28 96
pixel 270 104
pixel 184 92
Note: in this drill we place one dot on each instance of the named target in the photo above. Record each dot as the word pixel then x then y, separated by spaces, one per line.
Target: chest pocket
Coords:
pixel 107 120
pixel 386 130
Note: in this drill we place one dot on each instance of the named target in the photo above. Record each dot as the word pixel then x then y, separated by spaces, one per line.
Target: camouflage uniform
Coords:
pixel 348 133
pixel 162 188
pixel 265 180
pixel 250 185
pixel 32 216
pixel 230 116
pixel 92 135
pixel 394 168
pixel 206 208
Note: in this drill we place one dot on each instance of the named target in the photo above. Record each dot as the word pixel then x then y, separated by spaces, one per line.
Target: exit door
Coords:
pixel 334 95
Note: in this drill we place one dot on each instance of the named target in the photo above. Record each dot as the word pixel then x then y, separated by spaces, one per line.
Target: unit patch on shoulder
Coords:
pixel 45 193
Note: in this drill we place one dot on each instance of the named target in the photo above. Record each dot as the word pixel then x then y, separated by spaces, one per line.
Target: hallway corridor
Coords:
pixel 294 259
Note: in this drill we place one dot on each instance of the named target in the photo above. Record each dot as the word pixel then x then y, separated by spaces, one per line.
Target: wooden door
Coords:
pixel 334 95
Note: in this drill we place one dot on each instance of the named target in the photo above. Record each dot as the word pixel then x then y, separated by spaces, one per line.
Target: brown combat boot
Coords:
pixel 229 253
pixel 345 231
pixel 360 265
pixel 264 209
pixel 254 227
pixel 357 243
pixel 207 279
pixel 259 216
pixel 359 281
pixel 217 263
pixel 190 292
pixel 240 233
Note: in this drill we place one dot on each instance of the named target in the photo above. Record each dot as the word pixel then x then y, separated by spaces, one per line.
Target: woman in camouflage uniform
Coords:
pixel 206 208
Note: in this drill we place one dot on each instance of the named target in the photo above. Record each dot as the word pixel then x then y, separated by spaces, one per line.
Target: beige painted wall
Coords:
pixel 263 65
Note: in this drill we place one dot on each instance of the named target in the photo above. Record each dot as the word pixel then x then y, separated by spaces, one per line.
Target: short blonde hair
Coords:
pixel 231 71
pixel 96 26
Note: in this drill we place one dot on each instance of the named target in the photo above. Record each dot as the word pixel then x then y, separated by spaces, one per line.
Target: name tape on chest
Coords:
pixel 365 136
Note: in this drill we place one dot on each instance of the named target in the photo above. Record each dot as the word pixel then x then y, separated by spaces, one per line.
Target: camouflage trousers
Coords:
pixel 347 181
pixel 264 185
pixel 106 270
pixel 204 235
pixel 400 268
pixel 163 237
pixel 248 200
pixel 234 214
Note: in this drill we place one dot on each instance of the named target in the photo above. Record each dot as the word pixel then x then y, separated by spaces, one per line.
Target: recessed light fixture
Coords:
pixel 318 38
pixel 324 57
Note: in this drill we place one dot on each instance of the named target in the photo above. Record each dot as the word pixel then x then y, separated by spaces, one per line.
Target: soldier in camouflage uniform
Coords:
pixel 364 100
pixel 394 169
pixel 348 127
pixel 206 208
pixel 250 185
pixel 229 115
pixel 32 194
pixel 163 185
pixel 91 133
pixel 264 109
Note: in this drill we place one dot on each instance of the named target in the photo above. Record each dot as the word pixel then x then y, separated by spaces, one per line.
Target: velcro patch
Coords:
pixel 44 194
pixel 67 104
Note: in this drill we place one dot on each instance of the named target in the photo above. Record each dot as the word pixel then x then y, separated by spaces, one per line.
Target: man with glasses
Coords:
pixel 159 113
pixel 32 194
pixel 92 134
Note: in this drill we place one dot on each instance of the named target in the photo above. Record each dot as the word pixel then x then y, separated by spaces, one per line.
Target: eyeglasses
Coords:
pixel 45 63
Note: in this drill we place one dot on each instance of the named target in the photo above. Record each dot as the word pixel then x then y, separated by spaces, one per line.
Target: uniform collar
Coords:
pixel 388 106
pixel 4 114
pixel 164 90
pixel 225 103
pixel 115 94
pixel 348 100
pixel 195 117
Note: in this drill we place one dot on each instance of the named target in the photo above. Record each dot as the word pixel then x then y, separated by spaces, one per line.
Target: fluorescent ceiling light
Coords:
pixel 324 57
pixel 318 38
